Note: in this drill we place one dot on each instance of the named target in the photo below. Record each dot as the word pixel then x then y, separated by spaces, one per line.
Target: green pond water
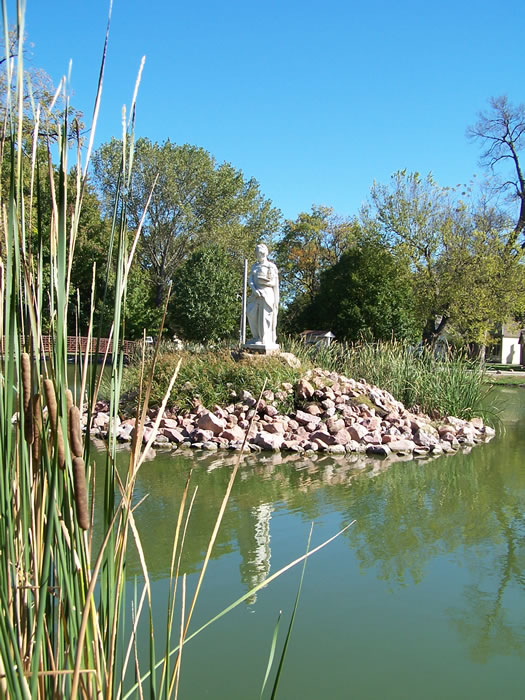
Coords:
pixel 423 597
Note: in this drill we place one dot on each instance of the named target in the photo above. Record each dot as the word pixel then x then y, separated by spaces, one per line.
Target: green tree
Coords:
pixel 310 244
pixel 366 293
pixel 91 249
pixel 464 269
pixel 205 304
pixel 142 313
pixel 492 289
pixel 195 203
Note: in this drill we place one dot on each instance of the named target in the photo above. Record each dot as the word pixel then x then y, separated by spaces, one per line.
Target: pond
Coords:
pixel 422 597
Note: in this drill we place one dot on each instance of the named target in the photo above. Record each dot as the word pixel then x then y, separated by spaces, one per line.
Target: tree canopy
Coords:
pixel 206 304
pixel 195 202
pixel 464 270
pixel 367 293
pixel 309 245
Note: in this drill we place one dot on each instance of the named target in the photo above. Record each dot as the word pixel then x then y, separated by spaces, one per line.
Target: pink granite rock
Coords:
pixel 233 433
pixel 329 394
pixel 101 420
pixel 476 423
pixel 200 435
pixel 268 441
pixel 173 435
pixel 322 438
pixel 373 423
pixel 147 434
pixel 313 409
pixel 424 439
pixel 208 421
pixel 271 411
pixel 405 446
pixel 334 423
pixel 169 423
pixel 277 428
pixel 373 438
pixel 292 446
pixel 305 418
pixel 342 437
pixel 357 431
pixel 304 390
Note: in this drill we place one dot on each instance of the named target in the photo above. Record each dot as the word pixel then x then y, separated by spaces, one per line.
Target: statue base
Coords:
pixel 261 348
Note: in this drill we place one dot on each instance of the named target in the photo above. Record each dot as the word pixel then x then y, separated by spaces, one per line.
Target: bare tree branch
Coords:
pixel 502 131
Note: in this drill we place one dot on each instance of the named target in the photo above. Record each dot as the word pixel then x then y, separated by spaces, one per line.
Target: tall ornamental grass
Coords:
pixel 440 385
pixel 63 604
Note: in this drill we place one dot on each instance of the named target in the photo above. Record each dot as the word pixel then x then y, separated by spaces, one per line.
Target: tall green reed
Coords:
pixel 62 603
pixel 439 384
pixel 57 638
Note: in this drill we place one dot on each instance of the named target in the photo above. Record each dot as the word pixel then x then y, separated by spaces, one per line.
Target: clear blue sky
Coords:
pixel 313 99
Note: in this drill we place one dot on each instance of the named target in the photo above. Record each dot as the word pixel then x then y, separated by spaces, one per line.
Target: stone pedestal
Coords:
pixel 260 348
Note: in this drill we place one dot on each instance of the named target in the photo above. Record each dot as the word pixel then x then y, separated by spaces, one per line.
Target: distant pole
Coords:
pixel 243 316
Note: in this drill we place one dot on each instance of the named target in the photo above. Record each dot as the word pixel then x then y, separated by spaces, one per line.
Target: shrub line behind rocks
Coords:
pixel 333 414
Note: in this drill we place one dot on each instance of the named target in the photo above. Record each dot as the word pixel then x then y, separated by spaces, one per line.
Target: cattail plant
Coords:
pixel 62 613
pixel 75 432
pixel 81 499
pixel 27 402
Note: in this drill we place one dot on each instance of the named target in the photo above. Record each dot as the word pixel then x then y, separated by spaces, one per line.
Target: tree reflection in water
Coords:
pixel 469 506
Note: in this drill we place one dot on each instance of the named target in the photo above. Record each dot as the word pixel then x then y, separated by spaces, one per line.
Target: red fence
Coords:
pixel 83 344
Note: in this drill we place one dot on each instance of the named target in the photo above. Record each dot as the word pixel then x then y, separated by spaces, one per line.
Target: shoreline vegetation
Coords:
pixel 309 401
pixel 425 383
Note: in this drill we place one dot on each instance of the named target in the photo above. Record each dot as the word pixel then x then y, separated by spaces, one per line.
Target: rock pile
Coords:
pixel 333 414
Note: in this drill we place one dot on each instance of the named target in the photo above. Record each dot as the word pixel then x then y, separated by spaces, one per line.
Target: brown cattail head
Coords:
pixel 75 432
pixel 69 399
pixel 51 400
pixel 79 484
pixel 37 428
pixel 56 430
pixel 26 397
pixel 61 450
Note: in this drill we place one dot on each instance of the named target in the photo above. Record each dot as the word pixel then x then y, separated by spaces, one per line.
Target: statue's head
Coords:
pixel 261 251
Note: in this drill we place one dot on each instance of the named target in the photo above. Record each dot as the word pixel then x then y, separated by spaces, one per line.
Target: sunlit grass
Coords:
pixel 212 375
pixel 439 385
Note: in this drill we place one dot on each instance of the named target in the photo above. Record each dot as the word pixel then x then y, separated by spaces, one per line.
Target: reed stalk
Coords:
pixel 63 605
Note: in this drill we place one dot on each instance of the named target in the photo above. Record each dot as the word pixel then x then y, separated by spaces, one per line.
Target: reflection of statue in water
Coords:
pixel 254 547
pixel 263 303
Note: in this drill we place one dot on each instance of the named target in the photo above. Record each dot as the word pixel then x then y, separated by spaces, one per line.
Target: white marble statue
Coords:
pixel 263 303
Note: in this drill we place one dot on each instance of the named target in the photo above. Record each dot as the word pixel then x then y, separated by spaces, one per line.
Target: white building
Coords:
pixel 509 346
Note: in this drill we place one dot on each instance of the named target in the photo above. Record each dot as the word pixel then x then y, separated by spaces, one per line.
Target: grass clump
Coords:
pixel 438 385
pixel 213 376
